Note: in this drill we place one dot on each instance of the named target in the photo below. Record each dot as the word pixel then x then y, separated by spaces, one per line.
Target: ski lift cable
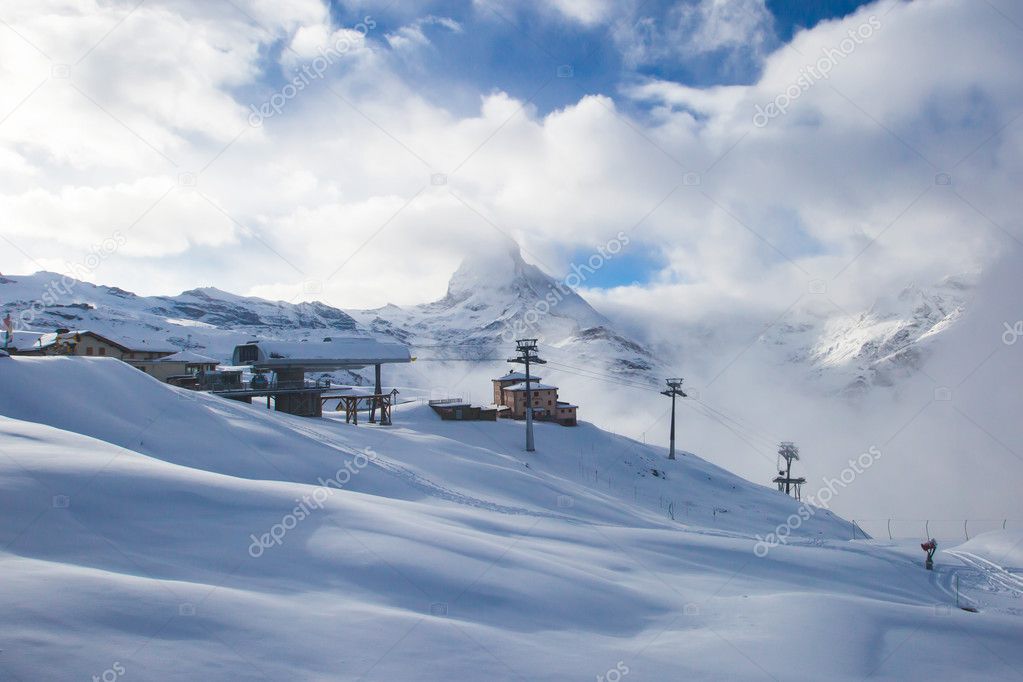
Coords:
pixel 765 435
pixel 741 424
pixel 743 434
pixel 579 371
pixel 747 429
pixel 758 446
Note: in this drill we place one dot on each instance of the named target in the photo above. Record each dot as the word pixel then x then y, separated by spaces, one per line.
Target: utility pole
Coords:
pixel 674 389
pixel 527 355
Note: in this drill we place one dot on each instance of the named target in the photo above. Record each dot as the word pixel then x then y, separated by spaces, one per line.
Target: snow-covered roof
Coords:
pixel 190 358
pixel 125 342
pixel 337 353
pixel 22 339
pixel 567 405
pixel 533 386
pixel 25 340
pixel 516 376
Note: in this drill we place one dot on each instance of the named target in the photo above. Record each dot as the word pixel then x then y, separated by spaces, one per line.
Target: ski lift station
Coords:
pixel 290 361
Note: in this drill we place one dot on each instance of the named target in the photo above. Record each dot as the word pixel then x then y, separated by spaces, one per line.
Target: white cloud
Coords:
pixel 155 216
pixel 584 12
pixel 318 40
pixel 413 36
pixel 741 30
pixel 773 207
pixel 587 12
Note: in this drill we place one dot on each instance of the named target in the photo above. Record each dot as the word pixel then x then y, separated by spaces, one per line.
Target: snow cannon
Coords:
pixel 931 546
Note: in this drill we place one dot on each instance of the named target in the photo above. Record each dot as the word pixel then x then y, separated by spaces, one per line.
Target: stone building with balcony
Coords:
pixel 510 391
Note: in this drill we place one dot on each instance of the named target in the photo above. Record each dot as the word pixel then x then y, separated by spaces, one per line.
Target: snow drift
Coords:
pixel 181 536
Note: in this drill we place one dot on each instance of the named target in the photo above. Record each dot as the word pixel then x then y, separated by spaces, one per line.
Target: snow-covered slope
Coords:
pixel 164 535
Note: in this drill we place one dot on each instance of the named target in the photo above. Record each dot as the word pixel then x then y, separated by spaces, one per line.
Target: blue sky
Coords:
pixel 517 48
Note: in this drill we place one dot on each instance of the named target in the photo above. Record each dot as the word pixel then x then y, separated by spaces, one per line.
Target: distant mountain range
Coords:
pixel 853 352
pixel 492 299
pixel 215 320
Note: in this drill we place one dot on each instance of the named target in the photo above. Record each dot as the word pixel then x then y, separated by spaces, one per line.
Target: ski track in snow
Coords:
pixel 421 483
pixel 995 574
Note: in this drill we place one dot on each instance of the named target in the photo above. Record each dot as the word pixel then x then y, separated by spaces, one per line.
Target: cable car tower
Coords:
pixel 674 390
pixel 528 354
pixel 788 451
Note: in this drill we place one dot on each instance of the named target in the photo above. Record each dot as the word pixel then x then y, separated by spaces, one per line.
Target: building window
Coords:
pixel 88 350
pixel 102 351
pixel 549 402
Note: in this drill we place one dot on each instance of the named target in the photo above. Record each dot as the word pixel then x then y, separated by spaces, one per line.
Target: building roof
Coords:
pixel 329 355
pixel 517 376
pixel 190 358
pixel 567 405
pixel 521 386
pixel 124 343
pixel 23 340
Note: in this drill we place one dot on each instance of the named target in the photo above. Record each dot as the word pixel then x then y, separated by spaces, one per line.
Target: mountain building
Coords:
pixel 510 391
pixel 89 344
pixel 183 364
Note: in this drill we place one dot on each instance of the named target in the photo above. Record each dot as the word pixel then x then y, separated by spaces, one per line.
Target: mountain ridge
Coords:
pixel 494 298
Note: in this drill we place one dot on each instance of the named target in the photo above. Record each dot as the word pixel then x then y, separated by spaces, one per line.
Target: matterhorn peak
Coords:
pixel 495 265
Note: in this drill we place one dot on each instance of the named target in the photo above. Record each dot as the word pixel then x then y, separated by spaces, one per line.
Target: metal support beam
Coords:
pixel 671 448
pixel 376 390
pixel 674 389
pixel 527 355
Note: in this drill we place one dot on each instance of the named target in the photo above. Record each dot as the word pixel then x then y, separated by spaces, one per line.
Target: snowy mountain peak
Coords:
pixel 495 297
pixel 497 281
pixel 878 345
pixel 209 293
pixel 497 266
